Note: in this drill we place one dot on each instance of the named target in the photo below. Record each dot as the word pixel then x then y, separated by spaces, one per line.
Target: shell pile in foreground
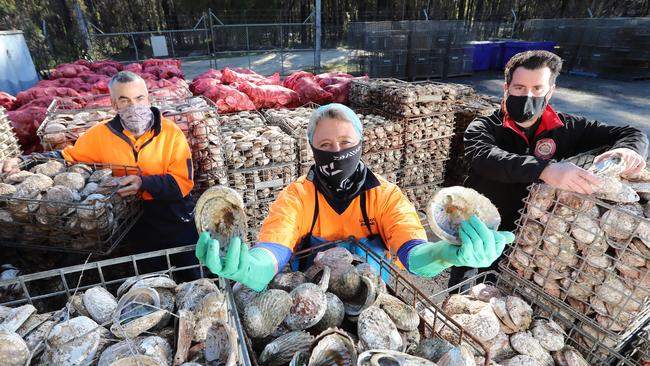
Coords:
pixel 339 312
pixel 134 328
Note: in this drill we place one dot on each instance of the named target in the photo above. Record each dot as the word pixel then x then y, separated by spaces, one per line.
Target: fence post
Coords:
pixel 317 37
pixel 210 38
pixel 248 47
pixel 281 54
pixel 135 47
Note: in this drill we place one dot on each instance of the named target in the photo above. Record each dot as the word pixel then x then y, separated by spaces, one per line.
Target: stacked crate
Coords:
pixel 424 113
pixel 426 51
pixel 608 47
pixel 294 122
pixel 590 257
pixel 8 142
pixel 261 161
pixel 198 119
pixel 468 108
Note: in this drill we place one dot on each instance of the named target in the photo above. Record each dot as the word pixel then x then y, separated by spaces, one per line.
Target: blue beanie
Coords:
pixel 320 112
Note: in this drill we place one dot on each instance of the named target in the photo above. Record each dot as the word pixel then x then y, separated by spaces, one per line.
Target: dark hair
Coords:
pixel 533 60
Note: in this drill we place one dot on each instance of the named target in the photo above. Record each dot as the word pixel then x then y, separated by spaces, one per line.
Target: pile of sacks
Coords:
pixel 237 89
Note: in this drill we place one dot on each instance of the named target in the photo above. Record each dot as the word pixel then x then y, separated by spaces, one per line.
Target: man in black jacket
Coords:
pixel 526 140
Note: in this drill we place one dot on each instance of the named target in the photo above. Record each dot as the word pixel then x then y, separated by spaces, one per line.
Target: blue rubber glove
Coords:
pixel 480 247
pixel 254 268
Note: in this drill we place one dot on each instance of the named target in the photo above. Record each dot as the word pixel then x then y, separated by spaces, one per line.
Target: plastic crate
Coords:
pixel 51 290
pixel 74 227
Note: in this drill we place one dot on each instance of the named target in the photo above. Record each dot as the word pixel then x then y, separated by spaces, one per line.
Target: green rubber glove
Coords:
pixel 254 268
pixel 480 247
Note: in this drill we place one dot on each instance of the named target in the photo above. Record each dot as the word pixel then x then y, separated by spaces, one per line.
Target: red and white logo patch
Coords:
pixel 545 148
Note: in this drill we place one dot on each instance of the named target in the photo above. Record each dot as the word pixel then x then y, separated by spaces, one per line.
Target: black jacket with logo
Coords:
pixel 503 162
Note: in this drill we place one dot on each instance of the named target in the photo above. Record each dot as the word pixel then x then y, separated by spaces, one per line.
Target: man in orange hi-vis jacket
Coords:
pixel 140 136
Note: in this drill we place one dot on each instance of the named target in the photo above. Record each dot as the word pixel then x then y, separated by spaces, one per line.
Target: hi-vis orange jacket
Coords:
pixel 162 154
pixel 389 212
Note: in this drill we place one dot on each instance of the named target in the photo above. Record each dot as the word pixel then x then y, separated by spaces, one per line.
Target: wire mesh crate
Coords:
pixel 421 194
pixel 362 91
pixel 250 143
pixel 589 256
pixel 50 291
pixel 638 350
pixel 398 284
pixel 199 120
pixel 294 122
pixel 581 336
pixel 466 111
pixel 262 183
pixel 8 142
pixel 42 216
pixel 433 171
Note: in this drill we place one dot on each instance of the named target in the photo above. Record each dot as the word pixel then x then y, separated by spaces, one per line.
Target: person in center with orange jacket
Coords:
pixel 340 197
pixel 140 136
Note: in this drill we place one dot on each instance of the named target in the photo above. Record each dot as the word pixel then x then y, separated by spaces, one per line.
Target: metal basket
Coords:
pixel 264 183
pixel 361 94
pixel 50 290
pixel 241 120
pixel 73 227
pixel 9 147
pixel 432 317
pixel 580 336
pixel 421 194
pixel 276 117
pixel 199 120
pixel 638 350
pixel 588 256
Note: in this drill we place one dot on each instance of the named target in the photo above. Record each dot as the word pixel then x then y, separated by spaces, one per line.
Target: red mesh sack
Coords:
pixel 7 100
pixel 340 92
pixel 211 73
pixel 200 86
pixel 25 123
pixel 156 62
pixel 290 81
pixel 309 91
pixel 270 96
pixel 134 67
pixel 236 76
pixel 30 94
pixel 229 99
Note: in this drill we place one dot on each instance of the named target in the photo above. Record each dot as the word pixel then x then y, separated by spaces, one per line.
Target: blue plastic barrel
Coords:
pixel 512 48
pixel 496 55
pixel 482 51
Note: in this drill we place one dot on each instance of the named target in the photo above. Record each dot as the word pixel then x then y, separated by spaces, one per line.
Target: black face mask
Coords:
pixel 336 167
pixel 522 108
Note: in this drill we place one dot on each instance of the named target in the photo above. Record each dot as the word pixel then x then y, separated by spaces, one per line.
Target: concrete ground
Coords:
pixel 269 63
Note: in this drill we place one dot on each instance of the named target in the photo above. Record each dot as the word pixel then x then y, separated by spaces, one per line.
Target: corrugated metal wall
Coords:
pixel 17 71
